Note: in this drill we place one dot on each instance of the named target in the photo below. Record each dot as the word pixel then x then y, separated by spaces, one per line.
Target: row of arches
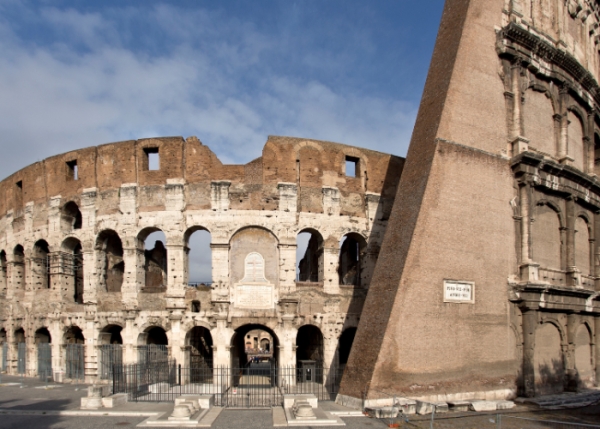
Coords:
pixel 556 246
pixel 153 345
pixel 65 266
pixel 559 135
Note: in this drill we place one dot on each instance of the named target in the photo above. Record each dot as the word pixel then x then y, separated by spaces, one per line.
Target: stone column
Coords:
pixel 175 276
pixel 530 322
pixel 563 149
pixel 90 275
pixel 134 275
pixel 91 350
pixel 287 267
pixel 569 352
pixel 519 142
pixel 331 280
pixel 220 262
pixel 130 341
pixel 597 347
pixel 177 340
pixel 529 269
pixel 573 273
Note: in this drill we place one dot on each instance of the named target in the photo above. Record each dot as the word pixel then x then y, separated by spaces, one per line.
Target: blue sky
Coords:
pixel 80 73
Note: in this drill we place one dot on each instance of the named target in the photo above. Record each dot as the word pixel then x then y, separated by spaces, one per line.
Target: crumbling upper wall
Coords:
pixel 308 164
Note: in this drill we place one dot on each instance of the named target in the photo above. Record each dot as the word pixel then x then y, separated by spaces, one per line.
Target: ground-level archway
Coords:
pixel 241 354
pixel 110 350
pixel 153 345
pixel 43 341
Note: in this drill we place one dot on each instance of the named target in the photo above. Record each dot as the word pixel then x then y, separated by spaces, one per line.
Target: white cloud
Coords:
pixel 214 82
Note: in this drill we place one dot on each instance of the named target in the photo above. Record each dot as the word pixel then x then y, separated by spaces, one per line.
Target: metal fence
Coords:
pixel 527 423
pixel 111 355
pixel 256 385
pixel 44 361
pixel 153 353
pixel 75 361
pixel 21 358
pixel 5 357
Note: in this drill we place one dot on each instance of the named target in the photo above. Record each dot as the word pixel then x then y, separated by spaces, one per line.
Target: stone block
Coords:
pixel 91 403
pixel 460 406
pixel 504 405
pixel 290 399
pixel 407 406
pixel 424 407
pixel 483 405
pixel 383 412
pixel 98 391
pixel 441 407
pixel 114 400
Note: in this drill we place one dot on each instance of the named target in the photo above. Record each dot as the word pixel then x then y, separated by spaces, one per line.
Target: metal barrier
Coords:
pixel 111 355
pixel 526 423
pixel 21 358
pixel 75 361
pixel 44 361
pixel 256 385
pixel 153 353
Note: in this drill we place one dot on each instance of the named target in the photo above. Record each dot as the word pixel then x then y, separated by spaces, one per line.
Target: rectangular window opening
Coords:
pixel 351 166
pixel 19 186
pixel 153 158
pixel 72 170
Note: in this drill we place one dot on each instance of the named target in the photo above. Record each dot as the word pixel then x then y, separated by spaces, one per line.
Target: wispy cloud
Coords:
pixel 89 77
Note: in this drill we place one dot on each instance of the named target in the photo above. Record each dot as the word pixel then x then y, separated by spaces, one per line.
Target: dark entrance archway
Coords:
pixel 345 346
pixel 44 353
pixel 74 343
pixel 200 345
pixel 242 351
pixel 111 350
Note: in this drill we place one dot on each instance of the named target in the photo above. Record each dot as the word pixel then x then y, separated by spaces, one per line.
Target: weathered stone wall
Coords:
pixel 98 215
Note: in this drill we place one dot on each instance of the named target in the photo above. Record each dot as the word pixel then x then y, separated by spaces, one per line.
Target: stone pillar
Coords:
pixel 90 335
pixel 331 280
pixel 530 322
pixel 130 340
pixel 569 352
pixel 287 267
pixel 330 345
pixel 88 208
pixel 373 207
pixel 573 273
pixel 597 347
pixel 589 142
pixel 54 224
pixel 177 340
pixel 219 195
pixel 331 200
pixel 528 269
pixel 288 197
pixel 220 262
pixel 519 142
pixel 134 275
pixel 563 149
pixel 90 274
pixel 176 255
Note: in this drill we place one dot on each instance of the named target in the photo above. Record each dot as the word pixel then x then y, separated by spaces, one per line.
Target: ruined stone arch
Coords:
pixel 549 359
pixel 299 146
pixel 538 117
pixel 584 355
pixel 153 333
pixel 583 249
pixel 547 236
pixel 110 333
pixel 310 265
pixel 40 268
pixel 197 257
pixel 576 133
pixel 352 259
pixel 237 340
pixel 155 260
pixel 72 334
pixel 310 344
pixel 109 260
pixel 70 217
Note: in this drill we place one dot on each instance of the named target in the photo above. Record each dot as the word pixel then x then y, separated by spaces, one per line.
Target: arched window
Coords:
pixel 199 257
pixel 71 217
pixel 350 269
pixel 582 246
pixel 18 270
pixel 575 146
pixel 597 154
pixel 155 259
pixel 72 268
pixel 309 256
pixel 110 259
pixel 40 267
pixel 546 240
pixel 538 122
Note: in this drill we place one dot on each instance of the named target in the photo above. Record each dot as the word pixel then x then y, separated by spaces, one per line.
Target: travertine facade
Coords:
pixel 75 270
pixel 488 279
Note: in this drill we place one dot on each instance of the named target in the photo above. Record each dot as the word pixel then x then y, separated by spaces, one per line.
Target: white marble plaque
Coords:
pixel 254 297
pixel 459 291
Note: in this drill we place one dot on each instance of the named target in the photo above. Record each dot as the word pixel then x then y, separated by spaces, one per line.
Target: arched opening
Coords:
pixel 40 266
pixel 4 351
pixel 345 346
pixel 309 345
pixel 351 263
pixel 582 246
pixel 44 353
pixel 200 354
pixel 546 239
pixel 245 347
pixel 19 338
pixel 71 262
pixel 111 350
pixel 309 256
pixel 153 241
pixel 548 360
pixel 18 268
pixel 74 343
pixel 70 217
pixel 198 266
pixel 109 249
pixel 584 363
pixel 538 122
pixel 3 273
pixel 153 346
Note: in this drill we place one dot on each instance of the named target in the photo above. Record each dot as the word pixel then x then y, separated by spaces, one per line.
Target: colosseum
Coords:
pixel 95 247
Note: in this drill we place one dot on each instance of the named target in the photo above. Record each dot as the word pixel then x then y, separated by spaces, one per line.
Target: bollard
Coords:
pixel 432 416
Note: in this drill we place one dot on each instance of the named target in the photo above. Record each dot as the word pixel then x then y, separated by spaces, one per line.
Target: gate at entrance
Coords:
pixel 257 385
